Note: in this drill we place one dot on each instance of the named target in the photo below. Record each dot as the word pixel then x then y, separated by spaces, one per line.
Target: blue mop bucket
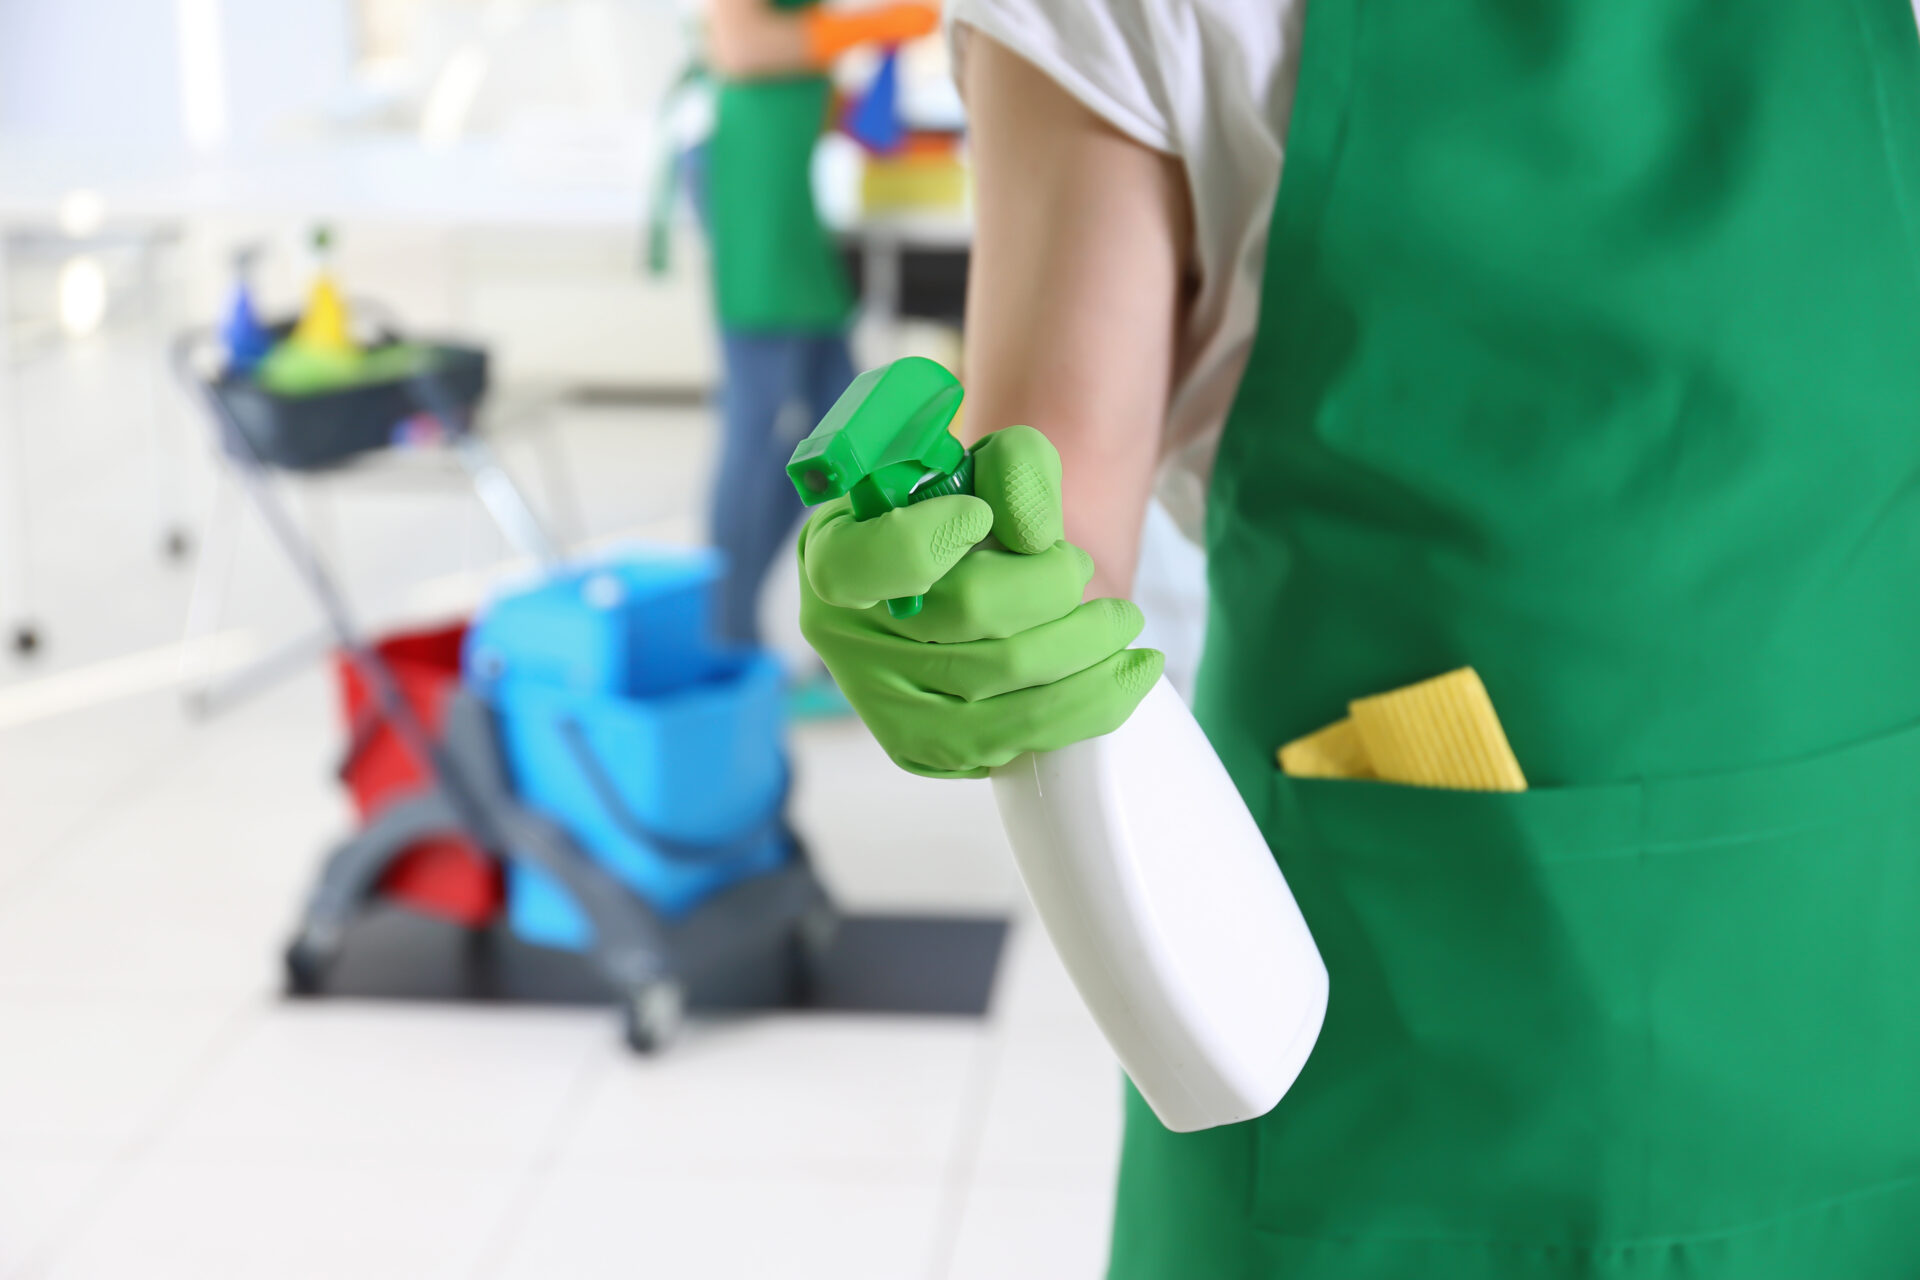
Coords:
pixel 635 623
pixel 678 795
pixel 659 753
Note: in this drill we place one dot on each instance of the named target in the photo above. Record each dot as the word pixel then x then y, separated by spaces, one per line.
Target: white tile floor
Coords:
pixel 164 1114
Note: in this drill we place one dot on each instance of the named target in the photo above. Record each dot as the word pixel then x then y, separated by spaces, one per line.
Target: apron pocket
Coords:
pixel 1639 1013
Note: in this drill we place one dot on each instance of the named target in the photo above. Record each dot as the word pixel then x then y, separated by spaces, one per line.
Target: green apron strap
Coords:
pixel 669 147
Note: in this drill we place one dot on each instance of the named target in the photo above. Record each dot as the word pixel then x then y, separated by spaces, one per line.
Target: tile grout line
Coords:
pixel 539 1167
pixel 189 741
pixel 958 1182
pixel 135 783
pixel 127 1160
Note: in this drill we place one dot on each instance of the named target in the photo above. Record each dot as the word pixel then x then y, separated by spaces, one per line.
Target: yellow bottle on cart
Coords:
pixel 326 325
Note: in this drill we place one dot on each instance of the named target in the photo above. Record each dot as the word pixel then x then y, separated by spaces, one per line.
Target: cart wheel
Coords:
pixel 26 639
pixel 306 968
pixel 652 1015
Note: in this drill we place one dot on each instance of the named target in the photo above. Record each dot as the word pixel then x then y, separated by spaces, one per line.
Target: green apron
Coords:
pixel 1589 356
pixel 775 268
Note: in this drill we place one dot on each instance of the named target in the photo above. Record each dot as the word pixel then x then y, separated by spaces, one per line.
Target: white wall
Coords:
pixel 111 68
pixel 94 68
pixel 285 60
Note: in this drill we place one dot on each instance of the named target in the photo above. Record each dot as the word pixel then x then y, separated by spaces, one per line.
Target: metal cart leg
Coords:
pixel 533 418
pixel 316 501
pixel 15 597
pixel 556 477
pixel 164 446
pixel 504 501
pixel 211 575
pixel 630 944
pixel 203 693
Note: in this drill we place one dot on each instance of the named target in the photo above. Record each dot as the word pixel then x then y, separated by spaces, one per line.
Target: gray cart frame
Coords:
pixel 646 959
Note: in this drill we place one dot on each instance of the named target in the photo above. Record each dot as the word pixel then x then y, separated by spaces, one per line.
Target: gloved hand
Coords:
pixel 1003 657
pixel 831 32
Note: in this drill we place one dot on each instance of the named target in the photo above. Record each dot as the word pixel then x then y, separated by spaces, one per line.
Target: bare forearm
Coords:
pixel 1080 249
pixel 750 38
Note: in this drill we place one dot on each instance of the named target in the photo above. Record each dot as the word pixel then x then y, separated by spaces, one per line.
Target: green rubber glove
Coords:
pixel 1003 658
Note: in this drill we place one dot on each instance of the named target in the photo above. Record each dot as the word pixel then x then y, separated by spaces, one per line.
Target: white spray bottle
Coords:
pixel 1151 878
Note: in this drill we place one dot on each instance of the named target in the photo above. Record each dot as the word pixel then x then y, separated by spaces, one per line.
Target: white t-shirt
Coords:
pixel 1208 81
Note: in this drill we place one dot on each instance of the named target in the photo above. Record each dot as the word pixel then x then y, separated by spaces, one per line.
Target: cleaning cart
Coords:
pixel 603 776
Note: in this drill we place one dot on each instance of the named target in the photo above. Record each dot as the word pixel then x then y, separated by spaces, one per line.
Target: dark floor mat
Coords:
pixel 876 964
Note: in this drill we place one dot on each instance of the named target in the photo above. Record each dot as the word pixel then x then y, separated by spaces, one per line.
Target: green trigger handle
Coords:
pixel 886 444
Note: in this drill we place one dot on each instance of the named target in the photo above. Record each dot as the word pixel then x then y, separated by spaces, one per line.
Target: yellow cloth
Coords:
pixel 1333 752
pixel 909 183
pixel 1439 733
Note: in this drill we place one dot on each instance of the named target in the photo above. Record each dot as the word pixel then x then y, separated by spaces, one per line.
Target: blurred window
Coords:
pixel 387 27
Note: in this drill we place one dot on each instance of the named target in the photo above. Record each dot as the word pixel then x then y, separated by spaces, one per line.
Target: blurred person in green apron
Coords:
pixel 780 291
pixel 1578 343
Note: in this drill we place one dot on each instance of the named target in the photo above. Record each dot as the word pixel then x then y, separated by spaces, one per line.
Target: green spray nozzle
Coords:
pixel 885 444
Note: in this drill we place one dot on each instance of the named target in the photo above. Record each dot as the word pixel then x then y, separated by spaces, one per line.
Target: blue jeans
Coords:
pixel 775 387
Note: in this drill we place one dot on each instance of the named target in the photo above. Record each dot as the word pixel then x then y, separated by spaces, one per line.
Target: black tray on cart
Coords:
pixel 326 429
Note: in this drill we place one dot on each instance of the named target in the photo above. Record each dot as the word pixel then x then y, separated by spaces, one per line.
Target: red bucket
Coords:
pixel 445 876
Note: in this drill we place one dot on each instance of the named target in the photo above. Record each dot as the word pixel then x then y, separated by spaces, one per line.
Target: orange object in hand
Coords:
pixel 831 32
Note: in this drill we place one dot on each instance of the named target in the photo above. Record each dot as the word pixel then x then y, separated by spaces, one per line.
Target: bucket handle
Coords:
pixel 669 847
